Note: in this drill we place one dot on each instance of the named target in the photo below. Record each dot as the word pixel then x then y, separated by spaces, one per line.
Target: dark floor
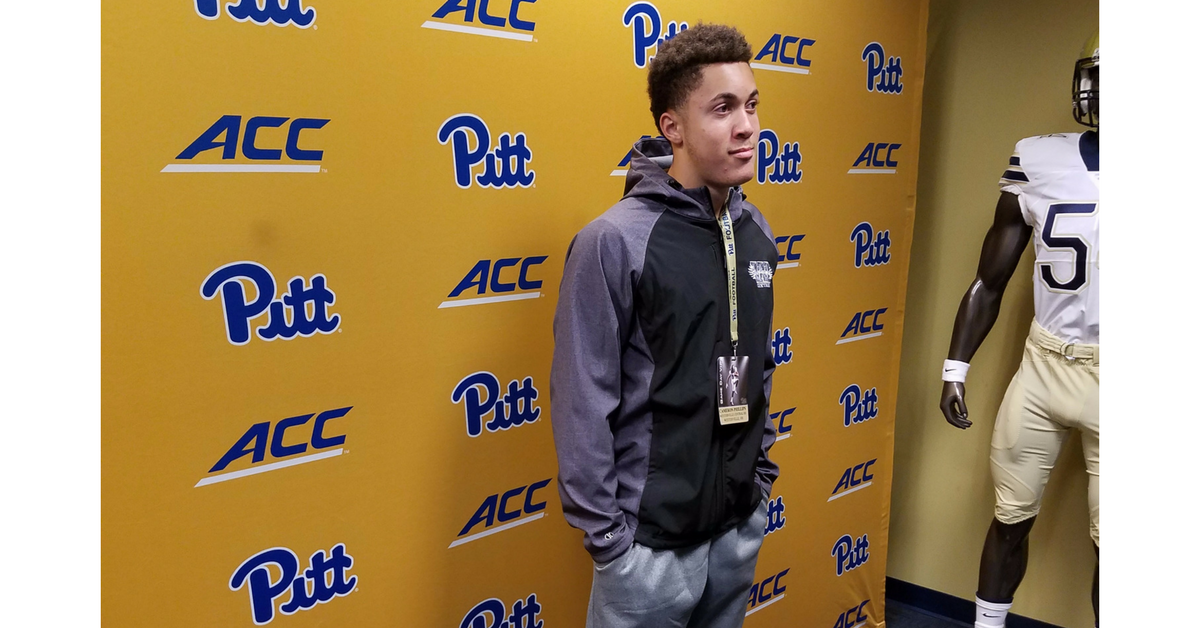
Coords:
pixel 900 615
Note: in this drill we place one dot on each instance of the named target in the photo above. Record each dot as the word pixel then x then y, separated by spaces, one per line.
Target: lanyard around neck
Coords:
pixel 730 269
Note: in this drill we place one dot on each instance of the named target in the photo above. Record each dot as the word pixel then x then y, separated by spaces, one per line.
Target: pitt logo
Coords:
pixel 480 396
pixel 760 272
pixel 478 278
pixel 491 614
pixel 853 617
pixel 788 257
pixel 870 248
pixel 277 12
pixel 777 47
pixel 855 478
pixel 519 29
pixel 767 592
pixel 775 518
pixel 254 443
pixel 325 578
pixel 858 406
pixel 228 128
pixel 505 166
pixel 783 429
pixel 302 311
pixel 781 346
pixel 495 509
pixel 648 30
pixel 871 161
pixel 882 76
pixel 862 326
pixel 850 553
pixel 778 163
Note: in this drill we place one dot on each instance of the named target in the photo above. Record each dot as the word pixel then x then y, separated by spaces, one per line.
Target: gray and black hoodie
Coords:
pixel 642 315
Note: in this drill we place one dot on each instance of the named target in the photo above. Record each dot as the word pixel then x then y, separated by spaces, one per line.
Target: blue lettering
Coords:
pixel 478 276
pixel 229 126
pixel 882 76
pixel 249 150
pixel 319 440
pixel 475 405
pixel 523 282
pixel 504 167
pixel 272 12
pixel 262 590
pixel 454 6
pixel 850 553
pixel 278 449
pixel 292 147
pixel 648 30
pixel 778 162
pixel 858 405
pixel 781 344
pixel 238 313
pixel 771 48
pixel 497 285
pixel 870 249
pixel 257 434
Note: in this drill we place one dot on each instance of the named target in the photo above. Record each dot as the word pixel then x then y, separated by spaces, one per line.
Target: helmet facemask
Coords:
pixel 1085 90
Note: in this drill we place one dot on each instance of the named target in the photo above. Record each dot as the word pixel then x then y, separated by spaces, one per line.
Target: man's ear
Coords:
pixel 669 122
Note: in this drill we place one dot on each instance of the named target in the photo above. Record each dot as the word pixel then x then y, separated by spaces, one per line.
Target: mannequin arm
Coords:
pixel 1002 248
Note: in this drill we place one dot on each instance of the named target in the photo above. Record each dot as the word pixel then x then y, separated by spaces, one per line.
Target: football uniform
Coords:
pixel 1057 181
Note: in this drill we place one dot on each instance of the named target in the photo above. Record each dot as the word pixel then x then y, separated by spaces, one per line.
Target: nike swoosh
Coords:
pixel 948 370
pixel 992 616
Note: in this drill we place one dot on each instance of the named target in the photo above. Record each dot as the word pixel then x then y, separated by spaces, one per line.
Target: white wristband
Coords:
pixel 955 371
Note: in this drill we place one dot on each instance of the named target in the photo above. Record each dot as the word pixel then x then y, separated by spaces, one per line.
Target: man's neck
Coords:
pixel 682 171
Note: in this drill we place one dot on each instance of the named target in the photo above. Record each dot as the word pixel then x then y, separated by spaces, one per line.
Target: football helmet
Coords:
pixel 1085 90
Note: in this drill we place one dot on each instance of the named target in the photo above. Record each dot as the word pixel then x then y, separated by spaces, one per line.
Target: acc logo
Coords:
pixel 864 325
pixel 648 30
pixel 775 518
pixel 882 77
pixel 849 553
pixel 480 394
pixel 324 579
pixel 789 258
pixel 871 161
pixel 853 617
pixel 495 509
pixel 277 12
pixel 228 127
pixel 781 346
pixel 855 478
pixel 496 21
pixel 858 406
pixel 767 592
pixel 777 47
pixel 295 305
pixel 778 163
pixel 782 429
pixel 478 278
pixel 254 442
pixel 491 614
pixel 503 167
pixel 870 249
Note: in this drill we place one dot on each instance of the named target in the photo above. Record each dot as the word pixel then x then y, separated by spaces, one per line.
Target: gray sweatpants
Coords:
pixel 705 586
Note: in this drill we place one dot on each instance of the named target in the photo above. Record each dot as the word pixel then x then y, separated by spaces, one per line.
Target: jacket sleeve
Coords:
pixel 591 324
pixel 766 470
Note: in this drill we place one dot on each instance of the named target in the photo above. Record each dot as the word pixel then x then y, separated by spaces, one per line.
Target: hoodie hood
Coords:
pixel 648 180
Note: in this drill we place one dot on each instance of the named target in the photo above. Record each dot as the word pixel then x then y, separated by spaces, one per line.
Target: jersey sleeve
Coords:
pixel 1015 181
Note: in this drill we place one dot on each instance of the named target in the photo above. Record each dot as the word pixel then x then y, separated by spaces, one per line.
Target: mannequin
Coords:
pixel 1050 192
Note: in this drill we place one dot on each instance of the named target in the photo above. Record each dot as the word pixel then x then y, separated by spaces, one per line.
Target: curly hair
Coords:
pixel 677 69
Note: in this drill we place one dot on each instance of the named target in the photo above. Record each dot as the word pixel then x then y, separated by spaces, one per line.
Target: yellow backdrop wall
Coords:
pixel 332 236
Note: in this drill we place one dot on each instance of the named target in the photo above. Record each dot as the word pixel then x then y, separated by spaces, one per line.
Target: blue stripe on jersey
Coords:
pixel 1014 161
pixel 1015 175
pixel 1089 150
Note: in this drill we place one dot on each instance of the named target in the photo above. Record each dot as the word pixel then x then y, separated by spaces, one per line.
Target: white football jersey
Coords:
pixel 1057 179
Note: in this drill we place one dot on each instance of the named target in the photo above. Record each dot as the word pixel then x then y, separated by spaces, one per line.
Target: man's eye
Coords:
pixel 721 109
pixel 752 105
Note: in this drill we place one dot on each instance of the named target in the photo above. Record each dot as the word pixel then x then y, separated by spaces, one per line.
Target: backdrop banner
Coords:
pixel 343 226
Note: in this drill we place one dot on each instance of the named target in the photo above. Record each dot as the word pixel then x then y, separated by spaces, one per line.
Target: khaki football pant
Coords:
pixel 1057 388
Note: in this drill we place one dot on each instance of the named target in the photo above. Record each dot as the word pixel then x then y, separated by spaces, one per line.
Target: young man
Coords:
pixel 662 366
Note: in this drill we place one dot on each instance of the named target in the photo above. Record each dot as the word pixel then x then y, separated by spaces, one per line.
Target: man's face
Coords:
pixel 719 124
